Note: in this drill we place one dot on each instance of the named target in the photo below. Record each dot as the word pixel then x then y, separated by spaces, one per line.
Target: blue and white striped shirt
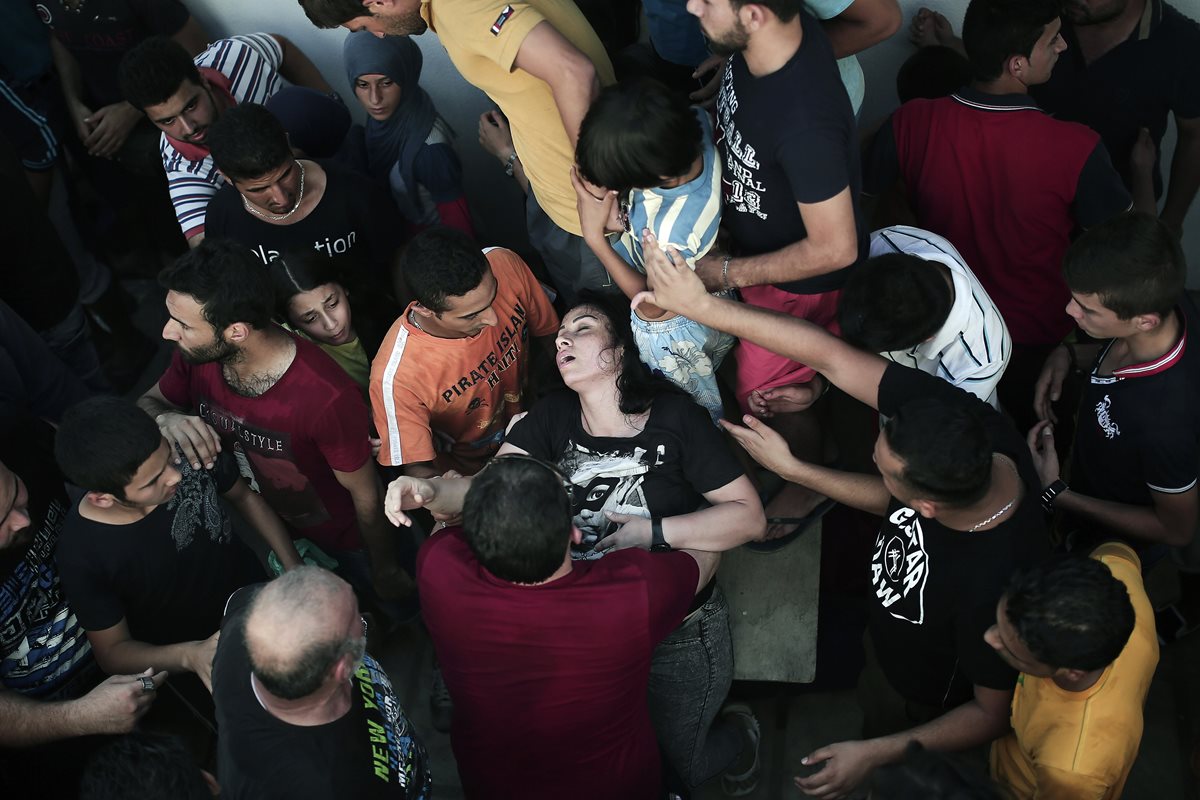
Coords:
pixel 685 217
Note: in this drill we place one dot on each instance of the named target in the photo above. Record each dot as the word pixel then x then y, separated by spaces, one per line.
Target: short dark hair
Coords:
pixel 517 519
pixel 932 72
pixel 103 441
pixel 145 765
pixel 637 133
pixel 154 70
pixel 637 385
pixel 247 142
pixel 786 10
pixel 995 30
pixel 929 775
pixel 894 302
pixel 332 13
pixel 1071 612
pixel 226 280
pixel 945 447
pixel 1133 262
pixel 442 262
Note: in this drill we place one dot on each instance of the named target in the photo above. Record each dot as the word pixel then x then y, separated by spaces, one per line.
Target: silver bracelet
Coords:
pixel 725 274
pixel 508 165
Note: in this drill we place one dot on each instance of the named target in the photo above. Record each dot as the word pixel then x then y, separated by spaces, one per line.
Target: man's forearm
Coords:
pixel 573 94
pixel 376 534
pixel 267 524
pixel 25 722
pixel 855 489
pixel 851 36
pixel 969 725
pixel 1185 179
pixel 797 261
pixel 1138 522
pixel 132 657
pixel 788 336
pixel 155 406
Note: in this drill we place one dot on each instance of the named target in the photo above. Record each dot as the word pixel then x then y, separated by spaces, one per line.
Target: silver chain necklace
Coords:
pixel 999 513
pixel 278 217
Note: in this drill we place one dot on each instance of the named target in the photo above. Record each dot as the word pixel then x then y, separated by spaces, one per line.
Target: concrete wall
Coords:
pixel 495 199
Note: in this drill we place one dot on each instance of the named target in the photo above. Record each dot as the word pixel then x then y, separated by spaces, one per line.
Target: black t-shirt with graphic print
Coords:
pixel 786 138
pixel 935 589
pixel 1138 431
pixel 169 574
pixel 662 472
pixel 369 752
pixel 356 221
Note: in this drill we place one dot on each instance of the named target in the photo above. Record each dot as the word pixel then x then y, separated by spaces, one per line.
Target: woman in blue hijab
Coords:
pixel 408 144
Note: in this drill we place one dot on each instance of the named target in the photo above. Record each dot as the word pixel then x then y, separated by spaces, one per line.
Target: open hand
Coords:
pixel 706 95
pixel 193 436
pixel 634 532
pixel 404 494
pixel 1041 448
pixel 674 287
pixel 789 399
pixel 763 443
pixel 109 128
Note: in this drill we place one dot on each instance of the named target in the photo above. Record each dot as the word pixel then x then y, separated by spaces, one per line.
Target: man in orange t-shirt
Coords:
pixel 451 372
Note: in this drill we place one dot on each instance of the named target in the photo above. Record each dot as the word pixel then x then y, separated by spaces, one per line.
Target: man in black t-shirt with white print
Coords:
pixel 789 147
pixel 275 203
pixel 959 499
pixel 304 712
pixel 1137 441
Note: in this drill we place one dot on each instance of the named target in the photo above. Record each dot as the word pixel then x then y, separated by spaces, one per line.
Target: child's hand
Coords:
pixel 599 211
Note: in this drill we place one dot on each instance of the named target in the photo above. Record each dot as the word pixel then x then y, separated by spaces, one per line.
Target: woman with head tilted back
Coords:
pixel 648 469
pixel 408 144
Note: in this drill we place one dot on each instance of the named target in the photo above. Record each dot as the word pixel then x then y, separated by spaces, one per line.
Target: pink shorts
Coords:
pixel 758 368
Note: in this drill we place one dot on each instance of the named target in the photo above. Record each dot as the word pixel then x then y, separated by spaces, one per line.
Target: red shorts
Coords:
pixel 759 368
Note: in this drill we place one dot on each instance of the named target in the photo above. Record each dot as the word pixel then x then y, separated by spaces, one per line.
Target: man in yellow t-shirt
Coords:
pixel 1081 631
pixel 451 372
pixel 542 64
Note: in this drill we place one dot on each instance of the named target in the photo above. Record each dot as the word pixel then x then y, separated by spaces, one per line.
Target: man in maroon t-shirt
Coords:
pixel 548 659
pixel 1007 184
pixel 293 418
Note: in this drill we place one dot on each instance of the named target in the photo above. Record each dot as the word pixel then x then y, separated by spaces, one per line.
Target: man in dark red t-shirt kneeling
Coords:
pixel 548 659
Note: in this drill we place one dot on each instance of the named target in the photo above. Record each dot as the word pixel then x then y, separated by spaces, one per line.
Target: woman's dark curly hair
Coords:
pixel 637 386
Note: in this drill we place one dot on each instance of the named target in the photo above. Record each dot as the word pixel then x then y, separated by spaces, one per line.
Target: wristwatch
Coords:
pixel 1052 491
pixel 657 543
pixel 508 165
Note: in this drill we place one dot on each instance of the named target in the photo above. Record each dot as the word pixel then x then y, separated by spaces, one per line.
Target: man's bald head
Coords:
pixel 299 628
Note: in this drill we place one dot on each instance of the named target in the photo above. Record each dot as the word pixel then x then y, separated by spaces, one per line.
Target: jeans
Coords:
pixel 690 676
pixel 571 264
pixel 71 342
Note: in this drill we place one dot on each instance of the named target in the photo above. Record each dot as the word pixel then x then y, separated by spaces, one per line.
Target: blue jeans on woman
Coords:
pixel 690 676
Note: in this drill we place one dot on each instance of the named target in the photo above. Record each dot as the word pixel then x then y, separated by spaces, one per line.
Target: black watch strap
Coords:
pixel 657 543
pixel 1052 491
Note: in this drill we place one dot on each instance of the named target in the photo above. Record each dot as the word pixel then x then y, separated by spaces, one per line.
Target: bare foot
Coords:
pixel 793 501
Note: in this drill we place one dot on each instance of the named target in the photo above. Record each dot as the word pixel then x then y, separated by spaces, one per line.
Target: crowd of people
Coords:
pixel 372 420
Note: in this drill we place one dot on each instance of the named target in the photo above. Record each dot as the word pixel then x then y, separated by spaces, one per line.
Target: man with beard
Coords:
pixel 542 64
pixel 293 418
pixel 792 178
pixel 1128 62
pixel 183 97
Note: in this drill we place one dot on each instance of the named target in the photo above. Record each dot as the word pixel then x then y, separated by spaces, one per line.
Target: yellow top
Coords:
pixel 1076 745
pixel 351 357
pixel 482 38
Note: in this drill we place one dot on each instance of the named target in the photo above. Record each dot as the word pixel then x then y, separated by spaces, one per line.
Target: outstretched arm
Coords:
pixel 678 289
